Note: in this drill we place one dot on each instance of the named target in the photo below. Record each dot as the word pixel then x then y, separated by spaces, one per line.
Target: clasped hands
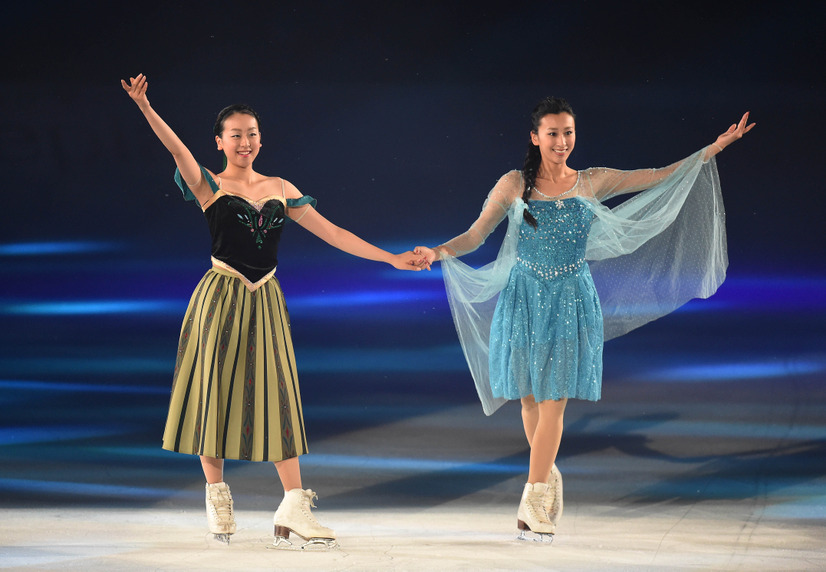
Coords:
pixel 419 259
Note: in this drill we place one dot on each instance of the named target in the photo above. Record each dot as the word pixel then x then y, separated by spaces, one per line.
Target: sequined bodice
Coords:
pixel 556 248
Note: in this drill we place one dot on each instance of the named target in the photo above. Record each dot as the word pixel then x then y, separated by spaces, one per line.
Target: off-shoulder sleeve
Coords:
pixel 494 211
pixel 300 202
pixel 187 193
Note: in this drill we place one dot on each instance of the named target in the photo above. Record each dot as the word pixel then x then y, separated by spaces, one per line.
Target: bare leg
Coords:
pixel 290 473
pixel 530 417
pixel 213 469
pixel 546 438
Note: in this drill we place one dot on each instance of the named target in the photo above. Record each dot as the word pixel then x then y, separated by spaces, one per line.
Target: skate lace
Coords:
pixel 553 503
pixel 221 503
pixel 309 497
pixel 536 507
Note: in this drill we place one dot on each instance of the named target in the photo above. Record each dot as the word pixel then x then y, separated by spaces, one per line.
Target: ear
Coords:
pixel 534 138
pixel 218 142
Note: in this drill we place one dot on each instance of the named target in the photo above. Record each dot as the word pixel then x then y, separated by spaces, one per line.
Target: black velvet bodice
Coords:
pixel 245 237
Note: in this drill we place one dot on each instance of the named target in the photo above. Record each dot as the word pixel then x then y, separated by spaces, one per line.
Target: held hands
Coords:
pixel 427 256
pixel 136 88
pixel 409 261
pixel 735 132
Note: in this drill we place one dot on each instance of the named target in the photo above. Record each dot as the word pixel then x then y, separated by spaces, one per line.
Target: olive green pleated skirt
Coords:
pixel 235 389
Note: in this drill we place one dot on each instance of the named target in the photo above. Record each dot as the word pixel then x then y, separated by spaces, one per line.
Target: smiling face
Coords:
pixel 240 140
pixel 555 137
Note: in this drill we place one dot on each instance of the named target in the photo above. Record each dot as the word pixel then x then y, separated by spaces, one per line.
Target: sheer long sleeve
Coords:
pixel 605 183
pixel 494 211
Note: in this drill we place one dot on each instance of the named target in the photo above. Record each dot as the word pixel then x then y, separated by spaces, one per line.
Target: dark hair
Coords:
pixel 548 106
pixel 230 110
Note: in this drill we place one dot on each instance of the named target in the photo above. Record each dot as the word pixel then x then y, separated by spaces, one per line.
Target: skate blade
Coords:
pixel 313 544
pixel 531 536
pixel 222 538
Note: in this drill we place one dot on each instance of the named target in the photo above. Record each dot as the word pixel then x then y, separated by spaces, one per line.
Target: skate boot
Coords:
pixel 553 499
pixel 293 515
pixel 531 516
pixel 219 511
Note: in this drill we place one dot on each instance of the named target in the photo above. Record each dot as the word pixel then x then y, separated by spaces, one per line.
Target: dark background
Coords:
pixel 399 116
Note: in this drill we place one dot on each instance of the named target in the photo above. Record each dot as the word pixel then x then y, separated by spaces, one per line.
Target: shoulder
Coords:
pixel 596 174
pixel 290 190
pixel 513 177
pixel 507 188
pixel 510 183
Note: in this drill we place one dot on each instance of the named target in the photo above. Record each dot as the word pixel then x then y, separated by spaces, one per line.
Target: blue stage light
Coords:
pixel 92 307
pixel 736 370
pixel 53 248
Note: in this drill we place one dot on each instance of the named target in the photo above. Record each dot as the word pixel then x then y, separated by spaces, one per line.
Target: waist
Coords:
pixel 549 271
pixel 221 267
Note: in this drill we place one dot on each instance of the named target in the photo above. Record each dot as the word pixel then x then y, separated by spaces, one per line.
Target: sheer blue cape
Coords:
pixel 648 256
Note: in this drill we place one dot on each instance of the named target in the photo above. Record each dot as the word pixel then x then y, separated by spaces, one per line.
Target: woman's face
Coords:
pixel 240 140
pixel 555 137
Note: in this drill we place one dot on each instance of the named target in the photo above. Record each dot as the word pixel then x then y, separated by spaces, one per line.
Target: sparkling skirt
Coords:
pixel 235 388
pixel 546 337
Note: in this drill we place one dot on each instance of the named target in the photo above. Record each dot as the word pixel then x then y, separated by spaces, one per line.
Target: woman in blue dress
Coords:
pixel 235 391
pixel 572 273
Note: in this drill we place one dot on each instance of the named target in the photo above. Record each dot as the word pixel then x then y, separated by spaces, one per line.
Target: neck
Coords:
pixel 245 174
pixel 553 171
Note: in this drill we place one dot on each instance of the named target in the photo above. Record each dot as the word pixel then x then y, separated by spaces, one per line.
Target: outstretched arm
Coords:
pixel 493 212
pixel 608 183
pixel 345 240
pixel 190 171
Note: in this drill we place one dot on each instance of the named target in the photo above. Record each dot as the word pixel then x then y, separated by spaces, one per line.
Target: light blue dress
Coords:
pixel 531 323
pixel 546 335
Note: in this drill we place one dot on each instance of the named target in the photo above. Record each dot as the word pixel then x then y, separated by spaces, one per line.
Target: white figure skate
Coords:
pixel 532 519
pixel 219 511
pixel 553 500
pixel 293 515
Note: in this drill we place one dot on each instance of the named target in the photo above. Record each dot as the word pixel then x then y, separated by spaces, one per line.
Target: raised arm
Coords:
pixel 343 239
pixel 606 183
pixel 494 211
pixel 190 171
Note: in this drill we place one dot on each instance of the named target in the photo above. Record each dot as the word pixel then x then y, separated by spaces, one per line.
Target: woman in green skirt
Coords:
pixel 235 390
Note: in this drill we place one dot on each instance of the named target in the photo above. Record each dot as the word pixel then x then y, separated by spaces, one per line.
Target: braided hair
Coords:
pixel 533 158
